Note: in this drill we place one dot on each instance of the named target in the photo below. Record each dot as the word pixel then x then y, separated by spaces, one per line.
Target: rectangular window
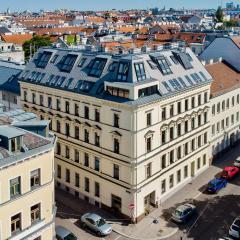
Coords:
pixel 41 100
pixel 86 112
pixel 199 141
pixel 149 144
pixel 86 159
pixel 81 62
pixel 179 129
pixel 58 105
pixel 164 161
pixel 116 145
pixel 178 176
pixel 15 187
pixel 204 159
pixel 86 136
pixel 186 105
pixel 76 132
pixel 186 126
pixel 16 223
pixel 97 189
pixel 171 110
pixel 97 140
pixel 163 113
pixel 67 152
pixel 97 115
pixel 179 107
pixel 67 129
pixel 199 99
pixel 67 107
pixel 59 171
pixel 163 136
pixel 35 178
pixel 43 59
pixel 163 186
pixel 198 163
pixel 205 138
pixel 148 170
pixel 186 149
pixel 149 119
pixel 67 175
pixel 171 157
pixel 97 67
pixel 86 184
pixel 171 181
pixel 77 180
pixel 49 102
pixel 116 120
pixel 123 71
pixel 76 109
pixel 185 171
pixel 171 133
pixel 35 213
pixel 164 66
pixel 67 62
pixel 97 164
pixel 193 102
pixel 115 171
pixel 179 152
pixel 140 71
pixel 76 156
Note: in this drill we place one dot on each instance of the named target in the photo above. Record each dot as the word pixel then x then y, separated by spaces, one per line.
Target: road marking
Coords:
pixel 197 195
pixel 191 227
pixel 117 237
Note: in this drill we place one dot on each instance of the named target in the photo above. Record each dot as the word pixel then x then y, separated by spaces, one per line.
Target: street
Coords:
pixel 215 212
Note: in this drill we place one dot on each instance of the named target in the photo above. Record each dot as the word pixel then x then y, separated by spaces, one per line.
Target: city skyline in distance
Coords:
pixel 20 5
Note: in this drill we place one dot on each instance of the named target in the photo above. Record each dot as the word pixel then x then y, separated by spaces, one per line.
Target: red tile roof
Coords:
pixel 19 39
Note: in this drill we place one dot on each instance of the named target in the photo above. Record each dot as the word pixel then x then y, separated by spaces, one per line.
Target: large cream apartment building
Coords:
pixel 27 204
pixel 132 128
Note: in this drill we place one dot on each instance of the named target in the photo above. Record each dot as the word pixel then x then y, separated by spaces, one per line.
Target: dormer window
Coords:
pixel 123 71
pixel 67 63
pixel 164 66
pixel 140 71
pixel 43 59
pixel 97 67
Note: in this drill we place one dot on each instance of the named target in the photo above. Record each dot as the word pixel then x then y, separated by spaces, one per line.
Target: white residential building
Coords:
pixel 132 129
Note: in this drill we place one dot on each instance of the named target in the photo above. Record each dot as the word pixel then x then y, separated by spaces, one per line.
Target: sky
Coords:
pixel 18 5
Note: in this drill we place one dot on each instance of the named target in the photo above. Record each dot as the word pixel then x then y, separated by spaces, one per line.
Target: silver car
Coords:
pixel 96 223
pixel 64 234
pixel 234 229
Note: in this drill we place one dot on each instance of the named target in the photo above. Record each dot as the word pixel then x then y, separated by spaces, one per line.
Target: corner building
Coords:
pixel 132 129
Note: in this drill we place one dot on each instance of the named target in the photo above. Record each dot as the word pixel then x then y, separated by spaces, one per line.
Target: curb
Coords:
pixel 157 238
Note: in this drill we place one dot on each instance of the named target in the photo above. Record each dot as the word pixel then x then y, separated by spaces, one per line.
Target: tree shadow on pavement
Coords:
pixel 213 219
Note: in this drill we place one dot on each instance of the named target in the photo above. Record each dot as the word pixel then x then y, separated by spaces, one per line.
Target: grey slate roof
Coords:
pixel 10 132
pixel 9 73
pixel 185 66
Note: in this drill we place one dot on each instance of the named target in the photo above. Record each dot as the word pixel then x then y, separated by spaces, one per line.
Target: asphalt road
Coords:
pixel 216 212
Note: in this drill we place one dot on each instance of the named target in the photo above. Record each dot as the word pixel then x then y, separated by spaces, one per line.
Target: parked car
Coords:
pixel 64 234
pixel 183 213
pixel 230 172
pixel 96 223
pixel 216 184
pixel 234 230
pixel 237 162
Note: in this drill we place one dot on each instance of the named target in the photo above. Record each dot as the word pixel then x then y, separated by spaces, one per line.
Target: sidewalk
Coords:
pixel 146 229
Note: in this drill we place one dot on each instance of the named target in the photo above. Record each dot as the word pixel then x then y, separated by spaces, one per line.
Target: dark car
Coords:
pixel 183 213
pixel 216 184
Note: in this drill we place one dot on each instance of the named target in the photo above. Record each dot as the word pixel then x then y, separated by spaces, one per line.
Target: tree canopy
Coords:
pixel 31 46
pixel 219 14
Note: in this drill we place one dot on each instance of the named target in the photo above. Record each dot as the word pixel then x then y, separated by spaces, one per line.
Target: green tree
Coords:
pixel 31 46
pixel 219 14
pixel 231 23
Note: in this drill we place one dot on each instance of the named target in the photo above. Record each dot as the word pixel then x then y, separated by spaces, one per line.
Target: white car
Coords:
pixel 234 230
pixel 237 162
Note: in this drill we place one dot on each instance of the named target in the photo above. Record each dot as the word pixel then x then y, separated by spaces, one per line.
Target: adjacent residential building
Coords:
pixel 9 85
pixel 27 204
pixel 132 129
pixel 225 105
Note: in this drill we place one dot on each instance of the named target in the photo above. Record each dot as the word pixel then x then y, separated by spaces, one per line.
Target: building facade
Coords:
pixel 27 204
pixel 132 129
